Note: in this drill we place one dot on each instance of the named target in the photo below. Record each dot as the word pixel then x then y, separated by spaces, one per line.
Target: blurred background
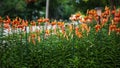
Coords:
pixel 57 9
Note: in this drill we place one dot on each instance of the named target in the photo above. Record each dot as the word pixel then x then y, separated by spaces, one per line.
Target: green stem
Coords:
pixel 51 34
pixel 26 35
pixel 43 48
pixel 1 45
pixel 73 38
pixel 2 33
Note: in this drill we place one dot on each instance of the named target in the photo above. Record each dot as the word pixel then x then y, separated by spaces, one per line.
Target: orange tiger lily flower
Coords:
pixel 107 11
pixel 77 16
pixel 112 27
pixel 92 12
pixel 47 31
pixel 8 20
pixel 46 20
pixel 7 26
pixel 20 26
pixel 77 29
pixel 89 20
pixel 90 17
pixel 15 22
pixel 33 36
pixel 71 27
pixel 79 34
pixel 85 27
pixel 96 17
pixel 25 23
pixel 33 23
pixel 104 20
pixel 97 27
pixel 85 18
pixel 40 20
pixel 53 23
pixel 116 19
pixel 116 14
pixel 58 23
pixel 62 24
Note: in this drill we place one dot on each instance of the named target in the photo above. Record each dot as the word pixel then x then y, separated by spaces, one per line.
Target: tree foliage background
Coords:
pixel 58 9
